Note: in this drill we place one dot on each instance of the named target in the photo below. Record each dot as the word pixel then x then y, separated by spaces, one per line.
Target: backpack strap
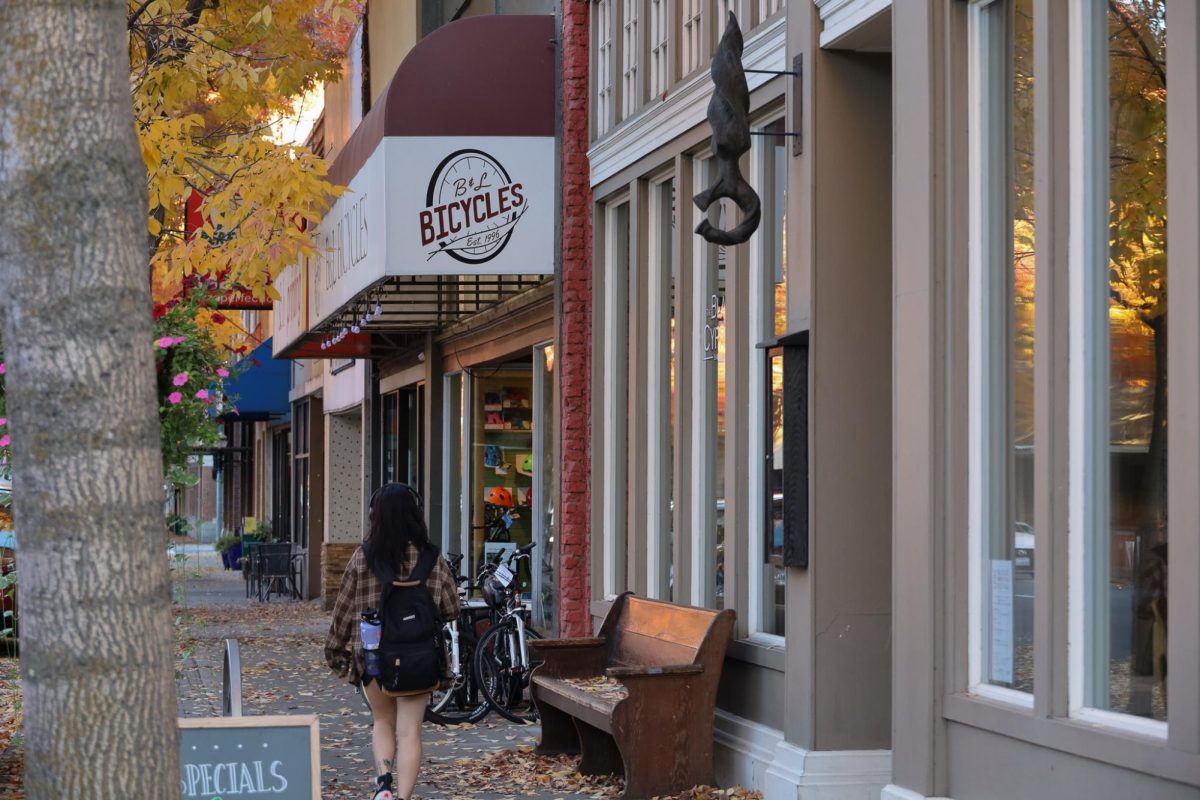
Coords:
pixel 425 565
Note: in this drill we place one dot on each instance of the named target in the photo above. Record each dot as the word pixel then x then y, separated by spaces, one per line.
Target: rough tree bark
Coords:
pixel 96 638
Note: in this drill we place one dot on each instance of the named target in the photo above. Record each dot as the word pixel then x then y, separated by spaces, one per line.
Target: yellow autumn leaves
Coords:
pixel 209 80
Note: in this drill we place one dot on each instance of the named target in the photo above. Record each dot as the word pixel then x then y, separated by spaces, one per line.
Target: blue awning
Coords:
pixel 261 390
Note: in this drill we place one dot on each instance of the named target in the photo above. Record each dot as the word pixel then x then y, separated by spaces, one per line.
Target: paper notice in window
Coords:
pixel 1001 643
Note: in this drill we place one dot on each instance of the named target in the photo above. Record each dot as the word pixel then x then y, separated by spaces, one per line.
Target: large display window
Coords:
pixel 403 436
pixel 501 497
pixel 498 436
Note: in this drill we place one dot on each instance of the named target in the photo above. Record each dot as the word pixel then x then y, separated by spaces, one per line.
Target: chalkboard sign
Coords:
pixel 224 758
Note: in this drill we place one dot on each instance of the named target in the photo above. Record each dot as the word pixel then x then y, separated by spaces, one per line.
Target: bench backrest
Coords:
pixel 645 632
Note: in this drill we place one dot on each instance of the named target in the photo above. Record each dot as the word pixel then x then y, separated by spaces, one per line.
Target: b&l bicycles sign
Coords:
pixel 472 207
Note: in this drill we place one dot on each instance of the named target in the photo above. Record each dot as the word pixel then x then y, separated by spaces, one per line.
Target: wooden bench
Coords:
pixel 639 698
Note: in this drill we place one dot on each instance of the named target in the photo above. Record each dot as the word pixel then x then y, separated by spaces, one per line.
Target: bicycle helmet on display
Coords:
pixel 527 463
pixel 500 496
pixel 492 591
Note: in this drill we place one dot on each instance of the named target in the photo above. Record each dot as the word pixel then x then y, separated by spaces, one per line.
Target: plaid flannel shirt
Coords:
pixel 362 590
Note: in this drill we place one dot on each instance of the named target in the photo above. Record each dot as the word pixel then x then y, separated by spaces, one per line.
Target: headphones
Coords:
pixel 416 495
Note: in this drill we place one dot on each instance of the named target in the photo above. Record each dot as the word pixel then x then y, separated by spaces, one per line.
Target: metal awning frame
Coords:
pixel 396 312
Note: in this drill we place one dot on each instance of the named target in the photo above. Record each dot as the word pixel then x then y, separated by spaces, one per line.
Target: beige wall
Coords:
pixel 395 27
pixel 344 490
pixel 987 766
pixel 851 553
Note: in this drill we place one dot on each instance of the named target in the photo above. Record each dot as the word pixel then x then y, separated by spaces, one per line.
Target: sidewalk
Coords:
pixel 283 672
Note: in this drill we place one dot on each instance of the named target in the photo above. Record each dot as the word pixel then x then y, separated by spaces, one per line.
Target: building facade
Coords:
pixel 423 333
pixel 963 240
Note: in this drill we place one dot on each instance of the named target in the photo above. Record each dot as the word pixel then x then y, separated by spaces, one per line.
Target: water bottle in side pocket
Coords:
pixel 369 630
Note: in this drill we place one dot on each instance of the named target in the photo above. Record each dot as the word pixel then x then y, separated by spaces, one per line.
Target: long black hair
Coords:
pixel 397 520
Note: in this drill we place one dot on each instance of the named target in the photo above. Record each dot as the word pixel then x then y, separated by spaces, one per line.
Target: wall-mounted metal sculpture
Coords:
pixel 728 115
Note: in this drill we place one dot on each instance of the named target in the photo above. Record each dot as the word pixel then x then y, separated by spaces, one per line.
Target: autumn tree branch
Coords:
pixel 1128 24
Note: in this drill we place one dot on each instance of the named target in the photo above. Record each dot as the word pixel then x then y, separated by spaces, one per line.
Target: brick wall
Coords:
pixel 334 558
pixel 575 326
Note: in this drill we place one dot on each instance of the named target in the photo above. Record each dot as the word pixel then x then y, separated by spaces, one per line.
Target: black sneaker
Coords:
pixel 383 788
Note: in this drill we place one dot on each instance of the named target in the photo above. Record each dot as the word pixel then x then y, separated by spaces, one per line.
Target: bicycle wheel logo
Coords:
pixel 472 207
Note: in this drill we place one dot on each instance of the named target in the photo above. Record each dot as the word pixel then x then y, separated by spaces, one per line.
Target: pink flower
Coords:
pixel 224 373
pixel 202 394
pixel 174 398
pixel 4 440
pixel 180 379
pixel 3 369
pixel 169 341
pixel 3 421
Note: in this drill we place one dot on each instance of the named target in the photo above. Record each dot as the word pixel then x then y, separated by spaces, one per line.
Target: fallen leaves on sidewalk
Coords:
pixel 711 793
pixel 522 772
pixel 519 772
pixel 12 754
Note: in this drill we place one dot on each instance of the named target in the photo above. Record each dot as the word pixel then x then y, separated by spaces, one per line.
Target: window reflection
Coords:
pixel 1132 558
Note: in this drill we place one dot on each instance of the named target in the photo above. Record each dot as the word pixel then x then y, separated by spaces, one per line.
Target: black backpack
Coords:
pixel 410 643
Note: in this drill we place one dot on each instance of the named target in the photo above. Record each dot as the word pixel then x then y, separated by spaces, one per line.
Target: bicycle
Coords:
pixel 460 700
pixel 501 662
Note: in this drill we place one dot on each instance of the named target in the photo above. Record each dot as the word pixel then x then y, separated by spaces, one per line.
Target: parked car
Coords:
pixel 1023 541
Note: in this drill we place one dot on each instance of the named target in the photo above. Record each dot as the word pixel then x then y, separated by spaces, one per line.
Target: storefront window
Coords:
pixel 281 471
pixel 300 415
pixel 1125 551
pixel 775 576
pixel 610 488
pixel 767 545
pixel 1002 282
pixel 391 437
pixel 501 463
pixel 546 554
pixel 454 502
pixel 403 436
pixel 709 408
pixel 661 392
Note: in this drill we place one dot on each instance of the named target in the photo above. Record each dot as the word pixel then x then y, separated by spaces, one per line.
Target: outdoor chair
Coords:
pixel 276 570
pixel 250 565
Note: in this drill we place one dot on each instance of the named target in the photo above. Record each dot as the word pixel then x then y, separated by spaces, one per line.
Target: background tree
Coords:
pixel 96 659
pixel 210 80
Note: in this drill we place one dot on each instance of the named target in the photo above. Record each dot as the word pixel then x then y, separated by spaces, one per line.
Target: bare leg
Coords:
pixel 410 713
pixel 383 739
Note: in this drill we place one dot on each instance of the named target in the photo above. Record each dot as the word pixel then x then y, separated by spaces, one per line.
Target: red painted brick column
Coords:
pixel 575 328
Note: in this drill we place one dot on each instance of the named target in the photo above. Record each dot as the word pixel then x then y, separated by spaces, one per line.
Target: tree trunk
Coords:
pixel 96 633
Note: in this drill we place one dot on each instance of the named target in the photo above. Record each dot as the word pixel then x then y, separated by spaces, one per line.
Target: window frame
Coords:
pixel 661 308
pixel 1090 367
pixel 610 333
pixel 603 72
pixel 1115 739
pixel 762 328
pixel 989 350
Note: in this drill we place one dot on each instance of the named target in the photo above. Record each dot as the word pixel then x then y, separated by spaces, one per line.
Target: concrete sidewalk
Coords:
pixel 283 672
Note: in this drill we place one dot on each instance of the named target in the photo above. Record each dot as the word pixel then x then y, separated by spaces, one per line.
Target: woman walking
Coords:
pixel 396 541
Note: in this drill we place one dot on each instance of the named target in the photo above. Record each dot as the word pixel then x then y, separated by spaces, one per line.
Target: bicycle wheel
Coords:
pixel 500 676
pixel 461 701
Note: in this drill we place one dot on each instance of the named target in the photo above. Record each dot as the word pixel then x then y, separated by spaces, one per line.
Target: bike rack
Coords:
pixel 231 680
